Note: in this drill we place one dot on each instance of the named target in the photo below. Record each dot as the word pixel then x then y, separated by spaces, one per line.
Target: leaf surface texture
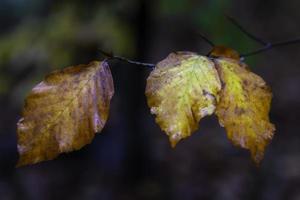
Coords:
pixel 244 107
pixel 180 91
pixel 63 112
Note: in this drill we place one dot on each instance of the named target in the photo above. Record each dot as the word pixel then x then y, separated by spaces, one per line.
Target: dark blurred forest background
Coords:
pixel 132 158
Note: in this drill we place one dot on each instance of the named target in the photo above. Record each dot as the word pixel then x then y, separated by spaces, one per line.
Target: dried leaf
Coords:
pixel 181 90
pixel 244 107
pixel 63 113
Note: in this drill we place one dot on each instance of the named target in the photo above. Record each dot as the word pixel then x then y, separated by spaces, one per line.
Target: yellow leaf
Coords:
pixel 244 107
pixel 180 91
pixel 63 113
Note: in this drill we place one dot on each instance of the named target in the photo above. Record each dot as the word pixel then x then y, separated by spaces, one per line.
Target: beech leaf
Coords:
pixel 180 91
pixel 244 107
pixel 63 113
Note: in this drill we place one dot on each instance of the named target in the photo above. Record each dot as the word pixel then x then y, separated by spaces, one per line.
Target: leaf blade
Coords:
pixel 62 113
pixel 244 107
pixel 181 90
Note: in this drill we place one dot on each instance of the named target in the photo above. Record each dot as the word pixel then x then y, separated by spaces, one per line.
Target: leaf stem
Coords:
pixel 111 56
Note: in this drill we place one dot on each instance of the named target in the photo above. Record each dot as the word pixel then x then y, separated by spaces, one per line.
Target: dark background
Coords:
pixel 131 158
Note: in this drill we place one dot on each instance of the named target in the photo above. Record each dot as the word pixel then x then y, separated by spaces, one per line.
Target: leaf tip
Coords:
pixel 19 164
pixel 174 139
pixel 22 162
pixel 257 157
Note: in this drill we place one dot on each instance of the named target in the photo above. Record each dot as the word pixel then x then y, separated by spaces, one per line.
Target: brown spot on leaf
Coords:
pixel 239 111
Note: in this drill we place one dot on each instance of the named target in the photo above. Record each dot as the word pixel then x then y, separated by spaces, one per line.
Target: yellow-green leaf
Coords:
pixel 244 107
pixel 63 113
pixel 180 91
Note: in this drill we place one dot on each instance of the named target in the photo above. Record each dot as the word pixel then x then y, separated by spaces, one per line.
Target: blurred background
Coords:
pixel 132 158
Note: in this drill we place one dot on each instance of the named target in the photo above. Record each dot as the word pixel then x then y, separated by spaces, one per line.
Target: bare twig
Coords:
pixel 111 56
pixel 250 35
pixel 206 39
pixel 270 46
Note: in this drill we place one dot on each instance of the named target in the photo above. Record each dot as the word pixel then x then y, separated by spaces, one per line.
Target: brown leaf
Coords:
pixel 244 107
pixel 63 113
pixel 180 91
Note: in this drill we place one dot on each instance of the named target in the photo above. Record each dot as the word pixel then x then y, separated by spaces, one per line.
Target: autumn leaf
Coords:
pixel 185 87
pixel 180 91
pixel 244 107
pixel 63 113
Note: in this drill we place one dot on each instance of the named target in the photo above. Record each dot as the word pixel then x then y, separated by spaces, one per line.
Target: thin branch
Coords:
pixel 267 45
pixel 253 37
pixel 111 56
pixel 150 65
pixel 271 46
pixel 206 39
